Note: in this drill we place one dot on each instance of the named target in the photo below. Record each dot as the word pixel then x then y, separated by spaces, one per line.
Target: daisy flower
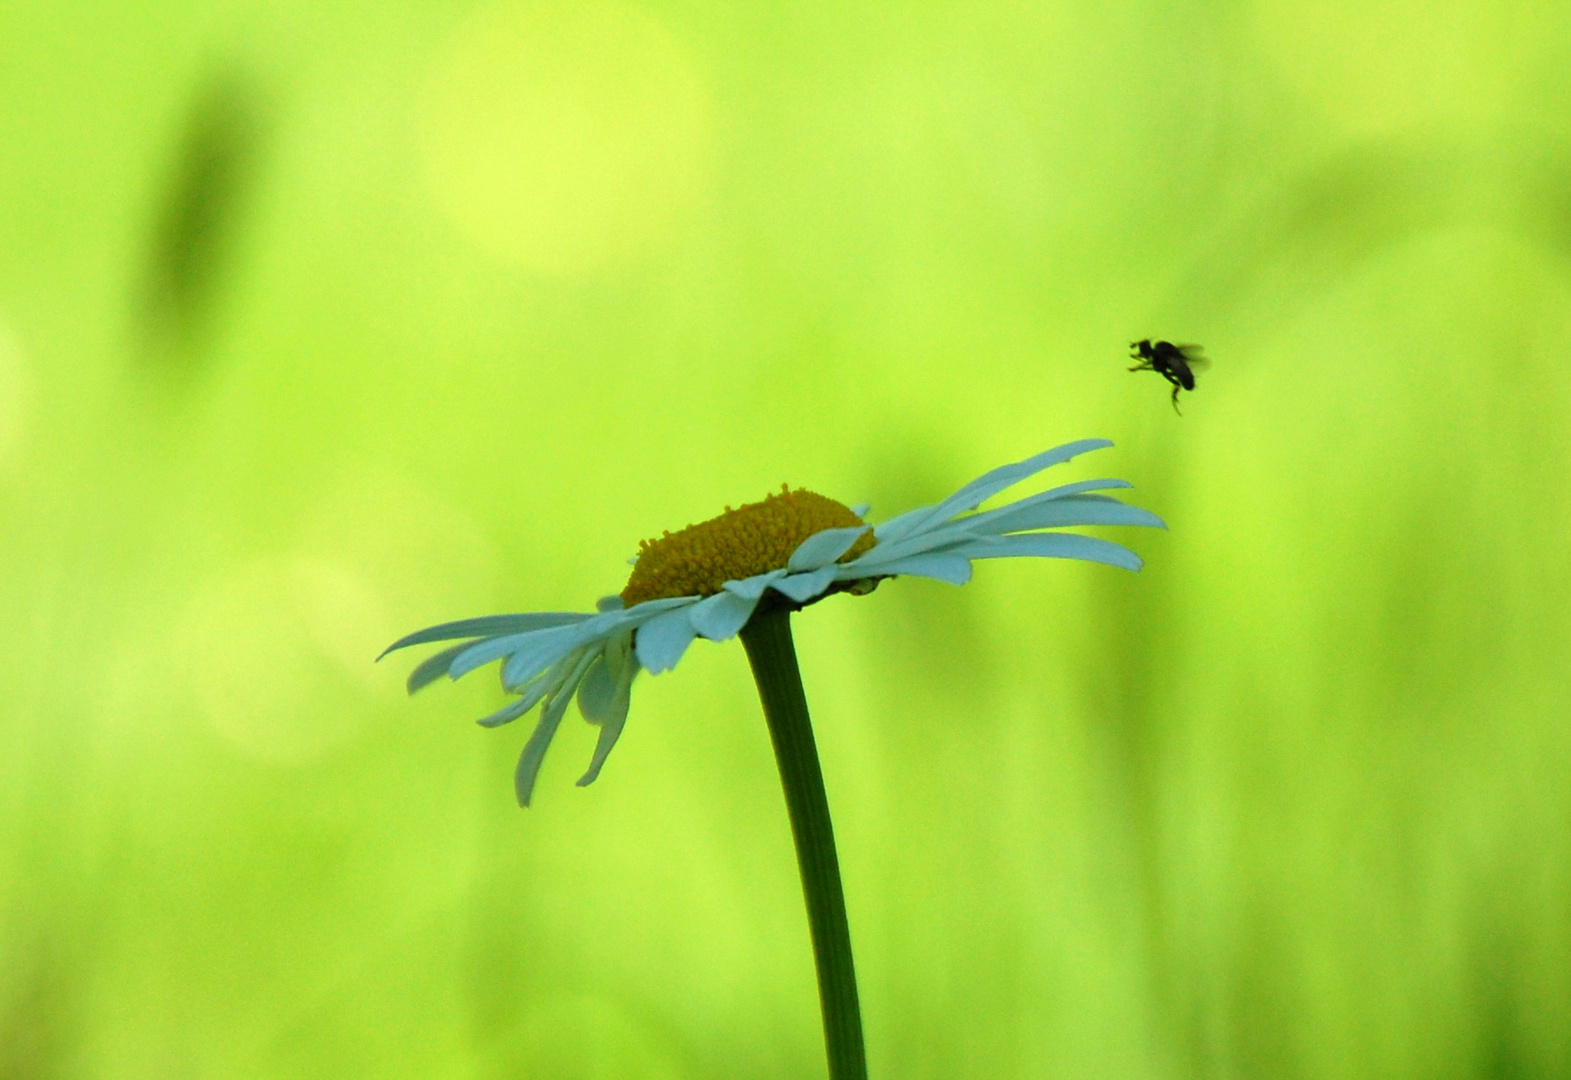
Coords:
pixel 795 548
pixel 743 574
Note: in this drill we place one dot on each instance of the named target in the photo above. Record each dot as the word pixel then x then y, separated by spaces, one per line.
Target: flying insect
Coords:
pixel 1175 363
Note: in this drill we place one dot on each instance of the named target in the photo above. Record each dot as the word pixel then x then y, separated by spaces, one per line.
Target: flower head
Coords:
pixel 753 539
pixel 707 580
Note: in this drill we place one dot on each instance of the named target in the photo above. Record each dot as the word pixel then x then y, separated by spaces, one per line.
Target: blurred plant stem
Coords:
pixel 767 638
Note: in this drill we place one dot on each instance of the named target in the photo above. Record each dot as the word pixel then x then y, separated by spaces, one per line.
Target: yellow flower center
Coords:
pixel 752 539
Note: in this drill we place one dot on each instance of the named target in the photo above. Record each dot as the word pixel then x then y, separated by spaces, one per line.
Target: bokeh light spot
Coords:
pixel 564 138
pixel 272 658
pixel 280 650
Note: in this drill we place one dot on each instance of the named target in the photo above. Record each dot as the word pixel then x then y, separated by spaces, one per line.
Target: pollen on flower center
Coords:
pixel 752 539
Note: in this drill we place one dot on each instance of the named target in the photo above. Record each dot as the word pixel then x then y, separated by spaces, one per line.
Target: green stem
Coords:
pixel 767 638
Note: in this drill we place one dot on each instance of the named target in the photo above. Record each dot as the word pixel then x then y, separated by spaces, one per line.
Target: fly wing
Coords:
pixel 1194 356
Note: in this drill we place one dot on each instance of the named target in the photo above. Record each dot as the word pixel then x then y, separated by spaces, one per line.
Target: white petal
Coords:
pixel 641 613
pixel 1051 546
pixel 1080 487
pixel 1075 510
pixel 487 626
pixel 434 666
pixel 663 639
pixel 609 603
pixel 611 725
pixel 992 482
pixel 803 587
pixel 532 693
pixel 561 639
pixel 596 691
pixel 943 566
pixel 529 696
pixel 720 616
pixel 824 547
pixel 550 718
pixel 1063 491
pixel 507 714
pixel 752 588
pixel 899 525
pixel 939 535
pixel 619 653
pixel 533 753
pixel 535 657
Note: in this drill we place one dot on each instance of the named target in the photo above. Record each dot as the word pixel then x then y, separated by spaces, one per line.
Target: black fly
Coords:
pixel 1175 363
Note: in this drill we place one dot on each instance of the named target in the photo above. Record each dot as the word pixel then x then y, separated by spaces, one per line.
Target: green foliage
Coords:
pixel 322 323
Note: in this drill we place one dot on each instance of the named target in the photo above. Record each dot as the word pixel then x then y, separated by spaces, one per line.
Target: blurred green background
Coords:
pixel 321 322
